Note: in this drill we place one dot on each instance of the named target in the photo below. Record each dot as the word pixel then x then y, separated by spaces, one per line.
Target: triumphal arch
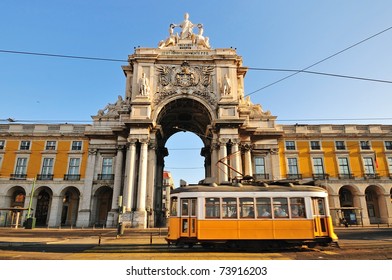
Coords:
pixel 183 84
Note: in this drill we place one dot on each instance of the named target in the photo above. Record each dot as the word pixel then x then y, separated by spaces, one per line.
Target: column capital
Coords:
pixel 92 151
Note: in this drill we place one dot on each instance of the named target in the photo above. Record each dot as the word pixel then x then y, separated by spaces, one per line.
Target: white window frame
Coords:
pixel 25 142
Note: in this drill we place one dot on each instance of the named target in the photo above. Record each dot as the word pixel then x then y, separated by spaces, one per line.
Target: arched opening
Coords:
pixel 349 213
pixel 70 205
pixel 184 140
pixel 346 197
pixel 18 196
pixel 184 161
pixel 103 198
pixel 44 199
pixel 373 204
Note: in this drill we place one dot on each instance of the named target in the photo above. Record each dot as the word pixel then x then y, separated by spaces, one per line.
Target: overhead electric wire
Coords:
pixel 320 73
pixel 63 56
pixel 320 61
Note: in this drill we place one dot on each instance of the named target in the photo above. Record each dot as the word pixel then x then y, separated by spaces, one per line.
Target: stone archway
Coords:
pixel 183 85
pixel 103 202
pixel 43 205
pixel 70 204
pixel 374 204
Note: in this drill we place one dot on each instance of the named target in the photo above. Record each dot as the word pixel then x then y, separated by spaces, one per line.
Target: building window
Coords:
pixel 340 145
pixel 50 145
pixel 107 169
pixel 74 166
pixel 293 168
pixel 365 145
pixel 315 145
pixel 318 166
pixel 2 144
pixel 107 166
pixel 47 169
pixel 73 169
pixel 25 145
pixel 388 145
pixel 344 169
pixel 260 172
pixel 20 169
pixel 76 146
pixel 390 166
pixel 290 145
pixel 368 165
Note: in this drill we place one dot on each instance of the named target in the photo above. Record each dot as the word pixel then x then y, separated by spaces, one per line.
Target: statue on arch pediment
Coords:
pixel 112 109
pixel 172 40
pixel 186 33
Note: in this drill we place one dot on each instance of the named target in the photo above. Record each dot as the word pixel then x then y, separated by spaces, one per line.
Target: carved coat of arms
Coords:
pixel 185 79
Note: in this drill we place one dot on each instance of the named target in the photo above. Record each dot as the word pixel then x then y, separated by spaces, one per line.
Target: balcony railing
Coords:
pixel 294 176
pixel 71 177
pixel 320 176
pixel 372 176
pixel 105 177
pixel 344 176
pixel 18 176
pixel 42 177
pixel 260 176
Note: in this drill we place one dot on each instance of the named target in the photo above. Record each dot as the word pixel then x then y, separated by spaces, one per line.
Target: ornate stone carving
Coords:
pixel 186 35
pixel 144 86
pixel 186 79
pixel 255 110
pixel 226 88
pixel 112 109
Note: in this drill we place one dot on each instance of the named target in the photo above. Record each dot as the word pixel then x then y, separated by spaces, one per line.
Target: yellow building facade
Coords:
pixel 353 162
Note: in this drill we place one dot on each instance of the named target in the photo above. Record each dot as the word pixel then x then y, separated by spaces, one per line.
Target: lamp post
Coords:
pixel 31 199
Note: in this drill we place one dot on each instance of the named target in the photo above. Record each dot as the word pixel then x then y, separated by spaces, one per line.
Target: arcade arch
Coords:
pixel 102 201
pixel 69 206
pixel 43 196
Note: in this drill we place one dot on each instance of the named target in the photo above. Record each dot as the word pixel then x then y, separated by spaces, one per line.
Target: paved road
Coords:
pixel 103 244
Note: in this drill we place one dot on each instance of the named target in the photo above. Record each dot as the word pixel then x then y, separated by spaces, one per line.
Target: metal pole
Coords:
pixel 31 199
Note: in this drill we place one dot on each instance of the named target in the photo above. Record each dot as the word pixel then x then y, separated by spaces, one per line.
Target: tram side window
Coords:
pixel 173 206
pixel 247 209
pixel 297 207
pixel 212 207
pixel 280 207
pixel 184 207
pixel 263 206
pixel 229 208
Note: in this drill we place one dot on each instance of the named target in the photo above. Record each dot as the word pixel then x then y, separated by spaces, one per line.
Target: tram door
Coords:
pixel 188 217
pixel 319 216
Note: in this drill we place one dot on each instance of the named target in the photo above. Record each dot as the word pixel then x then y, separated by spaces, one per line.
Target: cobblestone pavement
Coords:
pixel 104 244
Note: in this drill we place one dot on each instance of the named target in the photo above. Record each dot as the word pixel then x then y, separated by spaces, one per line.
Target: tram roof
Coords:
pixel 247 188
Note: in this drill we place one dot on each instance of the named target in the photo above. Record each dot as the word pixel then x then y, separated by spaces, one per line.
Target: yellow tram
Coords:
pixel 249 215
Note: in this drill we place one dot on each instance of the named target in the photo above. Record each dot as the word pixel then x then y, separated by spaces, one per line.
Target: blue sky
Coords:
pixel 267 34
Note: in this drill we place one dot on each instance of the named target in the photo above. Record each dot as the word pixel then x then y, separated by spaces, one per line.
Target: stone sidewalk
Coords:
pixel 21 236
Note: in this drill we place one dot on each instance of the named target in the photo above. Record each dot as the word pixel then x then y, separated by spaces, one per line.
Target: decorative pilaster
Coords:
pixel 130 175
pixel 223 174
pixel 248 160
pixel 84 214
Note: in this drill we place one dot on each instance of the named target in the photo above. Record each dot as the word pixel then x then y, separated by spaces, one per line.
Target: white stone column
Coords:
pixel 214 160
pixel 363 205
pixel 117 177
pixel 222 165
pixel 248 162
pixel 142 188
pixel 55 212
pixel 237 164
pixel 84 214
pixel 130 176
